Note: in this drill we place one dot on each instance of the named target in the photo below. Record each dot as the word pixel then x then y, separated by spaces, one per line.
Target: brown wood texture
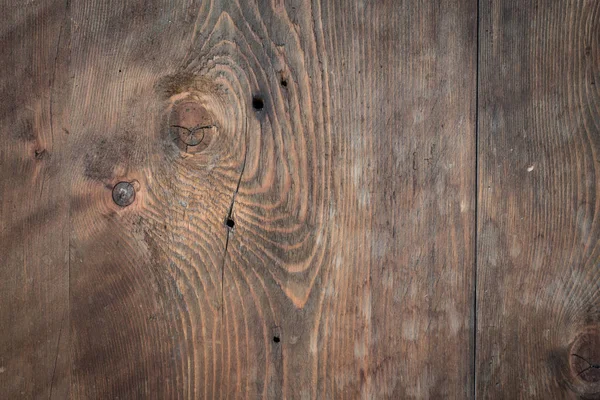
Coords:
pixel 304 216
pixel 537 267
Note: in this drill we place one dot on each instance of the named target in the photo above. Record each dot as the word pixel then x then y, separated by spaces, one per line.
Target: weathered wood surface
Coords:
pixel 304 220
pixel 537 281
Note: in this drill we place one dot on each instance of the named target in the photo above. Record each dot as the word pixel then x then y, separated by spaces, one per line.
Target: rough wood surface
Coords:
pixel 34 203
pixel 537 281
pixel 304 211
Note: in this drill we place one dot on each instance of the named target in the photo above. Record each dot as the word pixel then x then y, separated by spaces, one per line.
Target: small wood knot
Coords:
pixel 39 154
pixel 123 194
pixel 192 126
pixel 584 357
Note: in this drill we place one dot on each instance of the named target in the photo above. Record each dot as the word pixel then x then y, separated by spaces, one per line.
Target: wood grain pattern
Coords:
pixel 303 223
pixel 364 268
pixel 538 247
pixel 34 206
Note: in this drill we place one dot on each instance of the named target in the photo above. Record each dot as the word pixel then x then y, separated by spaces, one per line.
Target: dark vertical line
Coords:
pixel 69 335
pixel 476 236
pixel 69 363
pixel 223 278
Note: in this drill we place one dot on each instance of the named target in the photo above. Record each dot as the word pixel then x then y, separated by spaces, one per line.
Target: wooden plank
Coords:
pixel 538 250
pixel 34 230
pixel 353 240
pixel 145 278
pixel 303 218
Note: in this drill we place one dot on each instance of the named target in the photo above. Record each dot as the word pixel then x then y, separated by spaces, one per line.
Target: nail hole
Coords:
pixel 230 223
pixel 257 103
pixel 276 339
pixel 283 83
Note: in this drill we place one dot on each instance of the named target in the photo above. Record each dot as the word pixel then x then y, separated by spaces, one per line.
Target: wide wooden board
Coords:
pixel 304 212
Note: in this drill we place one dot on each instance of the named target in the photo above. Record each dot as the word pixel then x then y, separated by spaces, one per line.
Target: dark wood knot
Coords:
pixel 584 357
pixel 40 154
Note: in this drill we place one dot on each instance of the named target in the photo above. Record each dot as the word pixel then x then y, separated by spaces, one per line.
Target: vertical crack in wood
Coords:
pixel 223 279
pixel 476 217
pixel 56 358
pixel 229 230
pixel 237 188
pixel 60 33
pixel 51 117
pixel 69 283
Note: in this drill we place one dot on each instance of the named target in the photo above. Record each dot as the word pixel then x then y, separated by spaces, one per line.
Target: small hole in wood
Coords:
pixel 39 154
pixel 258 103
pixel 283 83
pixel 276 339
pixel 230 223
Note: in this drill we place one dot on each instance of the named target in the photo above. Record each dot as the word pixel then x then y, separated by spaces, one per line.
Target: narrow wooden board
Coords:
pixel 34 203
pixel 303 221
pixel 537 287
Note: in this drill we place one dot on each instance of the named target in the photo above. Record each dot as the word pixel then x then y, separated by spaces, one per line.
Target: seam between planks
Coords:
pixel 476 222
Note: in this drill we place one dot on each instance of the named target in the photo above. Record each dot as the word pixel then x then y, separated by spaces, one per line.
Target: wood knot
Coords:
pixel 192 126
pixel 584 360
pixel 40 154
